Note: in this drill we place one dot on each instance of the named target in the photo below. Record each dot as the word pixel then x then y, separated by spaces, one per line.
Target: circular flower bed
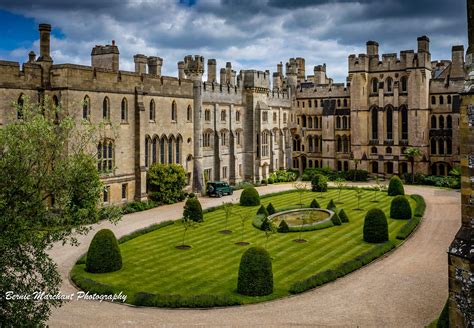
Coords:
pixel 303 219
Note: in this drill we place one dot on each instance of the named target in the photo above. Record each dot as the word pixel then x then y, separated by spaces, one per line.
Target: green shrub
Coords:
pixel 166 183
pixel 408 227
pixel 262 210
pixel 138 206
pixel 283 227
pixel 263 181
pixel 395 187
pixel 335 219
pixel 270 209
pixel 313 227
pixel 271 180
pixel 319 183
pixel 313 281
pixel 250 197
pixel 357 175
pixel 193 210
pixel 343 216
pixel 443 320
pixel 255 273
pixel 375 226
pixel 179 301
pixel 314 204
pixel 258 221
pixel 92 286
pixel 266 225
pixel 331 205
pixel 420 205
pixel 284 176
pixel 400 208
pixel 104 253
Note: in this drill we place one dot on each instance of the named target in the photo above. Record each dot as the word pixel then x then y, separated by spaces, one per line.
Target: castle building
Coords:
pixel 244 126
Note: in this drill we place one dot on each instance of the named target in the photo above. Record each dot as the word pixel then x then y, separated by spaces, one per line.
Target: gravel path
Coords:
pixel 407 288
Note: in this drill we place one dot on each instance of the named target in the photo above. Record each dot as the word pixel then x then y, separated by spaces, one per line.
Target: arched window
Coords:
pixel 441 100
pixel 223 115
pixel 440 146
pixel 174 111
pixel 345 102
pixel 238 138
pixel 154 149
pixel 147 151
pixel 339 103
pixel 265 144
pixel 163 150
pixel 433 100
pixel 375 167
pixel 21 104
pixel 206 139
pixel 404 82
pixel 338 122
pixel 441 122
pixel 316 123
pixel 310 103
pixel 433 122
pixel 389 114
pixel 373 150
pixel 389 83
pixel 310 122
pixel 433 146
pixel 345 144
pixel 237 116
pixel 310 144
pixel 449 122
pixel 170 150
pixel 207 115
pixel 389 168
pixel 152 110
pixel 404 115
pixel 124 110
pixel 449 146
pixel 375 122
pixel 449 100
pixel 284 118
pixel 105 156
pixel 106 109
pixel 224 138
pixel 303 120
pixel 375 85
pixel 339 144
pixel 388 150
pixel 189 113
pixel 86 108
pixel 178 150
pixel 275 117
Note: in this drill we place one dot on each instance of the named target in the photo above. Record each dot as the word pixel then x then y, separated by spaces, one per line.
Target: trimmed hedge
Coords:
pixel 257 221
pixel 343 216
pixel 270 209
pixel 92 286
pixel 342 269
pixel 193 210
pixel 104 253
pixel 408 228
pixel 420 205
pixel 283 227
pixel 262 210
pixel 138 206
pixel 400 208
pixel 178 301
pixel 395 187
pixel 319 183
pixel 255 273
pixel 313 227
pixel 375 226
pixel 331 205
pixel 249 197
pixel 314 204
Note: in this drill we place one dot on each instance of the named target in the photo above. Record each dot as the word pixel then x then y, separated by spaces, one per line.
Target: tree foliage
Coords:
pixel 166 183
pixel 49 192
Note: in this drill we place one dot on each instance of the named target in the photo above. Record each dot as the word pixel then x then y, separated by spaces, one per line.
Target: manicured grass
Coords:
pixel 152 264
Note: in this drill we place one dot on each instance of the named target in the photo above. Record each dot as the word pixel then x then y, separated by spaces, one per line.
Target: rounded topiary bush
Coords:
pixel 249 197
pixel 270 209
pixel 400 208
pixel 193 210
pixel 375 226
pixel 262 210
pixel 343 216
pixel 319 183
pixel 283 227
pixel 104 253
pixel 331 205
pixel 395 187
pixel 255 273
pixel 314 204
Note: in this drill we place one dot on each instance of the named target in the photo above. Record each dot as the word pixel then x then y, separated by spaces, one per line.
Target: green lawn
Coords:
pixel 151 263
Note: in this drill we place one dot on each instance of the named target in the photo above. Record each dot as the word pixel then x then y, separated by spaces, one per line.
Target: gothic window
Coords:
pixel 223 115
pixel 105 156
pixel 339 144
pixel 310 122
pixel 162 151
pixel 178 150
pixel 388 150
pixel 310 104
pixel 152 110
pixel 441 122
pixel 224 138
pixel 375 167
pixel 106 109
pixel 265 116
pixel 237 116
pixel 154 149
pixel 170 151
pixel 265 143
pixel 375 123
pixel 316 122
pixel 238 137
pixel 449 122
pixel 373 150
pixel 206 140
pixel 207 115
pixel 345 144
pixel 375 85
pixel 338 122
pixel 441 100
pixel 449 100
pixel 433 146
pixel 441 146
pixel 449 146
pixel 303 119
pixel 433 100
pixel 403 82
pixel 147 151
pixel 344 123
pixel 284 118
pixel 274 117
pixel 389 83
pixel 433 122
pixel 124 110
pixel 339 103
pixel 389 168
pixel 189 113
pixel 404 114
pixel 389 114
pixel 303 103
pixel 345 103
pixel 174 111
pixel 86 108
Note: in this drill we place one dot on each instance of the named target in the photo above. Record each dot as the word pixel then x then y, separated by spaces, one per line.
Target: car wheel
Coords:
pixel 219 194
pixel 231 192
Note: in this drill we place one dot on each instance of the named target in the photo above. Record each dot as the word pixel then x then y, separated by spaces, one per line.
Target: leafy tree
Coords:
pixel 186 223
pixel 49 192
pixel 412 153
pixel 166 183
pixel 319 183
pixel 358 194
pixel 228 207
pixel 340 183
pixel 300 189
pixel 243 218
pixel 269 228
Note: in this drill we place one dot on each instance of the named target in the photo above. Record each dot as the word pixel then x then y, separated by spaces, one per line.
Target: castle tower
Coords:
pixel 211 70
pixel 106 57
pixel 461 265
pixel 292 74
pixel 193 67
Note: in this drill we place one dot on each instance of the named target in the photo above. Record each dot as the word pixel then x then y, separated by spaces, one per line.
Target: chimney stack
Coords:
pixel 181 74
pixel 211 70
pixel 154 65
pixel 372 48
pixel 140 63
pixel 45 41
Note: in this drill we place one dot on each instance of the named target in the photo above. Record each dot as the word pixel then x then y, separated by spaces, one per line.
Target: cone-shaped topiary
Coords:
pixel 266 225
pixel 283 227
pixel 262 210
pixel 255 273
pixel 400 208
pixel 395 187
pixel 314 204
pixel 331 205
pixel 335 219
pixel 270 209
pixel 104 253
pixel 375 226
pixel 343 216
pixel 193 210
pixel 249 197
pixel 319 183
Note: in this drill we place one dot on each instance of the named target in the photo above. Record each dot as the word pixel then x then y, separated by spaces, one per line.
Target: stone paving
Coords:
pixel 407 288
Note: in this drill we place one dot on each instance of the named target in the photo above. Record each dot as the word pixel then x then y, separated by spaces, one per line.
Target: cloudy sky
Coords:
pixel 249 33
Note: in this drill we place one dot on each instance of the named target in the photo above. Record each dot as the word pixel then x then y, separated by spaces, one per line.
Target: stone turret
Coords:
pixel 106 57
pixel 301 69
pixel 193 67
pixel 372 48
pixel 292 74
pixel 181 74
pixel 154 65
pixel 211 70
pixel 320 74
pixel 140 63
pixel 423 44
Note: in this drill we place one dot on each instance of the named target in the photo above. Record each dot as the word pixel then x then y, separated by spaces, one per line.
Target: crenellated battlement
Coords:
pixel 11 76
pixel 256 79
pixel 194 66
pixel 339 90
